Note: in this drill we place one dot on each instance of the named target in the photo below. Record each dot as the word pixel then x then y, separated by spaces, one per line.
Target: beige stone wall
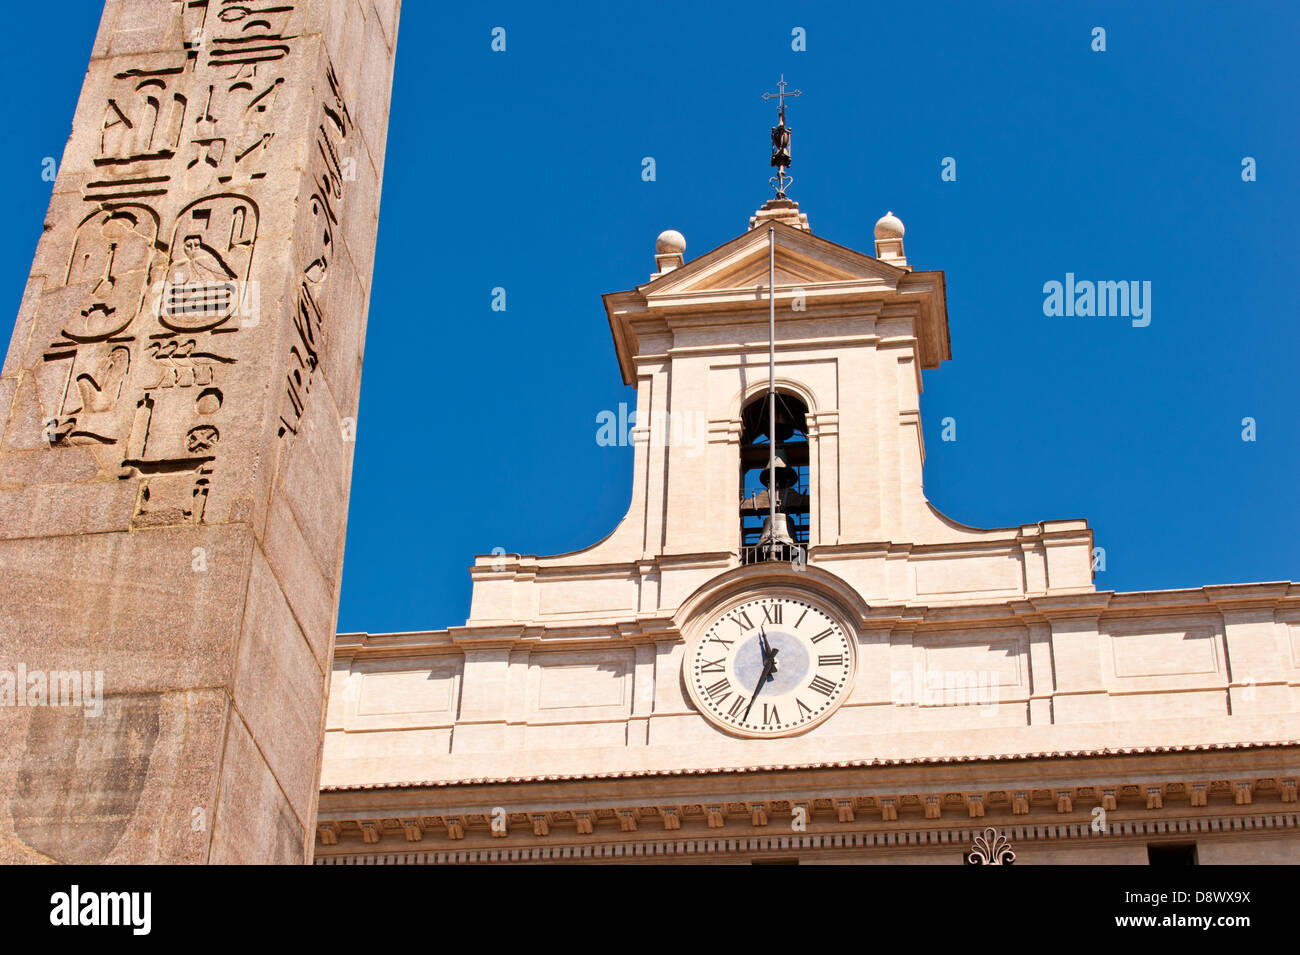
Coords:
pixel 176 406
pixel 1094 671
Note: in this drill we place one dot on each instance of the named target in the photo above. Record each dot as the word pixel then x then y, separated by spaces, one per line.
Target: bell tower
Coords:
pixel 778 383
pixel 851 336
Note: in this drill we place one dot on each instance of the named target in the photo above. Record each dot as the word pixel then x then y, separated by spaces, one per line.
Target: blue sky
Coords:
pixel 522 170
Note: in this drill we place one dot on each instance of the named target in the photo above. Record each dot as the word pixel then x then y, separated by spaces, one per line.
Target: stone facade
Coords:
pixel 994 687
pixel 176 410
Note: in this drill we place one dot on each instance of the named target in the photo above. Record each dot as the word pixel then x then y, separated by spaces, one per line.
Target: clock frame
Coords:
pixel 811 673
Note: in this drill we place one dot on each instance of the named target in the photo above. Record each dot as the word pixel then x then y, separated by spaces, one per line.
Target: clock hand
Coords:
pixel 768 652
pixel 769 667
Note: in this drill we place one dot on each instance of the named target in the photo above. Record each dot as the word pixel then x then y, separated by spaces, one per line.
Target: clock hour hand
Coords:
pixel 767 651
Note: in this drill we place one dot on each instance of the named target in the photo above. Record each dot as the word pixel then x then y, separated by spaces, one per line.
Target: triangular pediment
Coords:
pixel 730 283
pixel 801 260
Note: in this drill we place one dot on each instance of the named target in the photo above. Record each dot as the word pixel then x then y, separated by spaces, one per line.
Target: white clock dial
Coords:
pixel 770 666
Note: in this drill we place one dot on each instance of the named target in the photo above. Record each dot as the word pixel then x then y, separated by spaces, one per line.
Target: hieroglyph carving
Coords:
pixel 105 286
pixel 234 118
pixel 325 205
pixel 140 370
pixel 112 254
pixel 211 255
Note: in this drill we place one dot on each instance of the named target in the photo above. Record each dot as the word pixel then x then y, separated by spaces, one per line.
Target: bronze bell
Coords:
pixel 779 532
pixel 786 423
pixel 786 476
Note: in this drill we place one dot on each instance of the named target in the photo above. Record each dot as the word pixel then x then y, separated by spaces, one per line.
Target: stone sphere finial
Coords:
pixel 889 226
pixel 670 241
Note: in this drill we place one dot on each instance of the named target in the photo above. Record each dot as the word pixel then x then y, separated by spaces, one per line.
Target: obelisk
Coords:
pixel 177 412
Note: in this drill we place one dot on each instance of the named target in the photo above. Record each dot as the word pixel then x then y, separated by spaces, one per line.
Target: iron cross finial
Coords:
pixel 781 139
pixel 781 94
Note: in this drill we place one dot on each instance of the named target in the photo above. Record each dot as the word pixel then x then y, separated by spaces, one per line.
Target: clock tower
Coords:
pixel 784 652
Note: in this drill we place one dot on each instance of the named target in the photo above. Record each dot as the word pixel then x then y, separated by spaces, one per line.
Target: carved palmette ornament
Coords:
pixel 991 848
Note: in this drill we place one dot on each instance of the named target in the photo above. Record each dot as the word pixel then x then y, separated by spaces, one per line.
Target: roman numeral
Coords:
pixel 772 717
pixel 822 685
pixel 737 708
pixel 823 635
pixel 801 616
pixel 714 666
pixel 831 660
pixel 804 709
pixel 725 643
pixel 774 615
pixel 747 625
pixel 719 690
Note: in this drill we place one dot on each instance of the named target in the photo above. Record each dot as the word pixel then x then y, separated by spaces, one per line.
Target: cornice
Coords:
pixel 1102 753
pixel 814 250
pixel 1133 793
pixel 378 645
pixel 613 628
pixel 910 839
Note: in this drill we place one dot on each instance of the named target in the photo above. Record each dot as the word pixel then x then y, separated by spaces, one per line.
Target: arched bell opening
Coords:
pixel 761 538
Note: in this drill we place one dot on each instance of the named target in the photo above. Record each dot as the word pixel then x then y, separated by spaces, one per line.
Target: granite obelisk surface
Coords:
pixel 177 412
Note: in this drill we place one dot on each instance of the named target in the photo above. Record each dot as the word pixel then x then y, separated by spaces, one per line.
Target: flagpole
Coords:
pixel 771 383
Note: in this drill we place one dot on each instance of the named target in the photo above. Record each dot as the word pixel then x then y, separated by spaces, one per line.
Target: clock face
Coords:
pixel 771 666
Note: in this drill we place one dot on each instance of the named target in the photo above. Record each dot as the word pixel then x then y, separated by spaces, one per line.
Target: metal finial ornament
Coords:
pixel 781 139
pixel 991 848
